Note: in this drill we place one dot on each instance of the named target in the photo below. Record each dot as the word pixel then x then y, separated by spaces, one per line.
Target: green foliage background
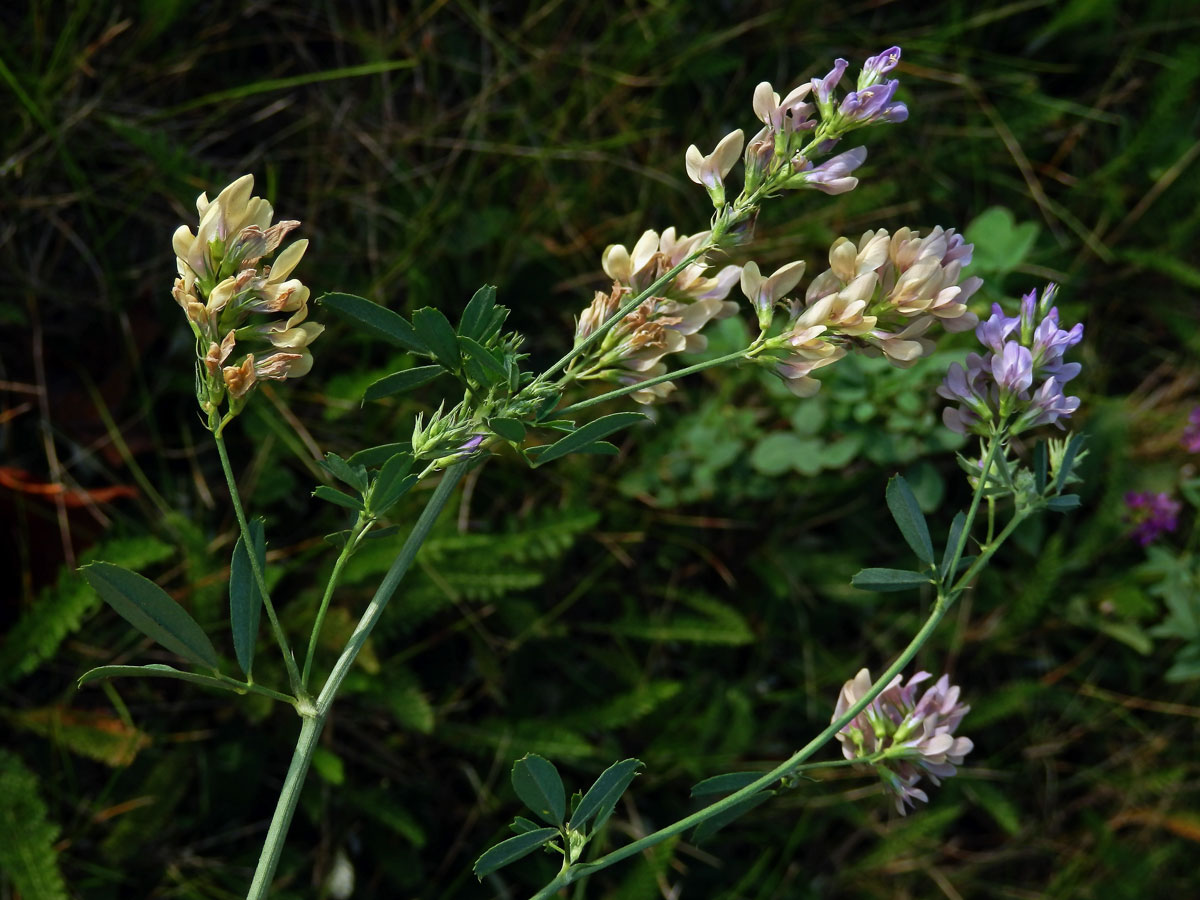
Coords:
pixel 688 602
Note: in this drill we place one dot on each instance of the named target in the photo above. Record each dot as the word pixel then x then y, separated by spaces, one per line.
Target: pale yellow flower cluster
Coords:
pixel 881 293
pixel 222 282
pixel 668 322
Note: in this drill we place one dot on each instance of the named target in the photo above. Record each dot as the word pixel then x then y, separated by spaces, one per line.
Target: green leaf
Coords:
pixel 156 670
pixel 711 826
pixel 885 580
pixel 956 529
pixel 725 784
pixel 355 476
pixel 245 599
pixel 539 786
pixel 1041 462
pixel 1068 461
pixel 1002 243
pixel 435 330
pixel 478 312
pixel 522 825
pixel 332 495
pixel 148 608
pixel 911 521
pixel 375 319
pixel 511 850
pixel 602 796
pixel 392 483
pixel 372 457
pixel 1065 503
pixel 487 370
pixel 398 382
pixel 509 429
pixel 588 434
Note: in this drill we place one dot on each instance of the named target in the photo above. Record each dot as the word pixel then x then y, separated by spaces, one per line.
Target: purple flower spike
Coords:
pixel 1191 434
pixel 1018 384
pixel 1152 515
pixel 876 67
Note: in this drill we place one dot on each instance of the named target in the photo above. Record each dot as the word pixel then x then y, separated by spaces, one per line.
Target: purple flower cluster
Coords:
pixel 1152 515
pixel 1191 433
pixel 1018 384
pixel 870 101
pixel 906 737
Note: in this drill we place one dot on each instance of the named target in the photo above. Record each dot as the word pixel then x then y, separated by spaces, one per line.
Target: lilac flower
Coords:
pixel 823 87
pixel 832 176
pixel 876 67
pixel 1019 383
pixel 1152 515
pixel 873 104
pixel 1191 434
pixel 902 737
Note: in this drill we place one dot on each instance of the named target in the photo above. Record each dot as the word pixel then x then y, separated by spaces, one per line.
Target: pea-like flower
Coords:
pixel 996 391
pixel 903 737
pixel 711 170
pixel 223 284
pixel 1152 515
pixel 1191 432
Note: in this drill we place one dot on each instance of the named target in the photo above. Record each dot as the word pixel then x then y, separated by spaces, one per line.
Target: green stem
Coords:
pixel 280 638
pixel 361 527
pixel 387 587
pixel 649 382
pixel 988 459
pixel 285 808
pixel 313 718
pixel 251 688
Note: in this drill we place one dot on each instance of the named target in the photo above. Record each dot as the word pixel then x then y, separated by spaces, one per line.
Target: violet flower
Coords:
pixel 1152 515
pixel 1018 384
pixel 1191 434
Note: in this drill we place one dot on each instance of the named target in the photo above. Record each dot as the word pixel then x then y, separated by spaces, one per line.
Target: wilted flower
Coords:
pixel 1152 515
pixel 1191 433
pixel 222 283
pixel 903 737
pixel 997 390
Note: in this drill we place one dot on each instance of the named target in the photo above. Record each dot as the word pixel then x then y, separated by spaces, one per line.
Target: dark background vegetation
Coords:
pixel 687 602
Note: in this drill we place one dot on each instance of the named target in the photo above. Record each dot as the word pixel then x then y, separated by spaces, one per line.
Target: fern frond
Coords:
pixel 27 856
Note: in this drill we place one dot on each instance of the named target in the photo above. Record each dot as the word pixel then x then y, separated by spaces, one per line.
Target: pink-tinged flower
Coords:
pixel 1191 434
pixel 711 170
pixel 1152 515
pixel 903 737
pixel 765 293
pixel 784 116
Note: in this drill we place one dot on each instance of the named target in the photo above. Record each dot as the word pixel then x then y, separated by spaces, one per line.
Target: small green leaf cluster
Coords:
pixel 540 787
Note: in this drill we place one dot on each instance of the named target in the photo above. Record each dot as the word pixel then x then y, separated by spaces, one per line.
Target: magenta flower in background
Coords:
pixel 1191 434
pixel 1151 514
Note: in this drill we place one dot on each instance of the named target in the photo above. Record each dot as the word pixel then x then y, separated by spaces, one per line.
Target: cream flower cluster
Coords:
pixel 881 293
pixel 670 321
pixel 223 282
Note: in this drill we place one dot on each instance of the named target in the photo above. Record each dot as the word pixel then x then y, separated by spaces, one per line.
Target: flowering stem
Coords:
pixel 313 716
pixel 280 638
pixel 945 599
pixel 361 527
pixel 658 379
pixel 625 310
pixel 792 765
